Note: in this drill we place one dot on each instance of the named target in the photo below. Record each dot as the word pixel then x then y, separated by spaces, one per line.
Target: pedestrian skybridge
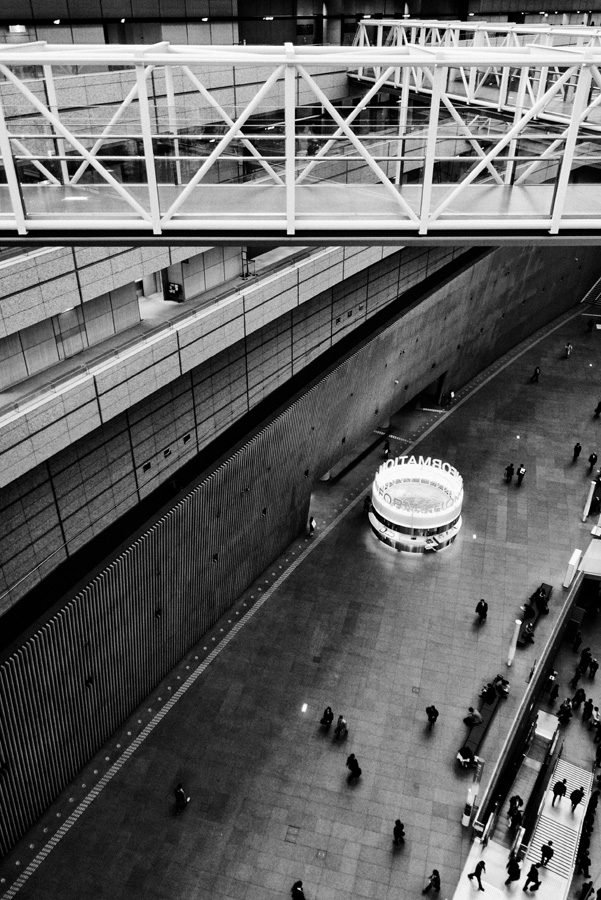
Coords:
pixel 128 144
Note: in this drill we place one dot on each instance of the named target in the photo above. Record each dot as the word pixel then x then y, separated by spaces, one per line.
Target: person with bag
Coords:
pixel 398 833
pixel 296 891
pixel 181 800
pixel 352 764
pixel 433 882
pixel 432 714
pixel 341 729
pixel 327 718
pixel 482 611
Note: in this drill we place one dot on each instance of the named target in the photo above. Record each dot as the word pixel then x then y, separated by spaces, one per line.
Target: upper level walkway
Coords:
pixel 160 154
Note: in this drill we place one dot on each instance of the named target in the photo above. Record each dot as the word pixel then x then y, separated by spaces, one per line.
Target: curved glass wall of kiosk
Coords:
pixel 416 504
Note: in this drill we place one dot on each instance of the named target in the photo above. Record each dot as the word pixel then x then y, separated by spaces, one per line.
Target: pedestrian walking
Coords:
pixel 576 676
pixel 577 641
pixel 585 891
pixel 327 718
pixel 477 874
pixel 585 658
pixel 353 765
pixel 592 668
pixel 532 877
pixel 433 882
pixel 181 800
pixel 595 718
pixel 535 375
pixel 521 473
pixel 592 460
pixel 587 709
pixel 577 450
pixel 386 448
pixel 432 714
pixel 554 693
pixel 481 611
pixel 312 525
pixel 509 472
pixel 341 729
pixel 598 410
pixel 598 756
pixel 296 891
pixel 583 864
pixel 398 833
pixel 514 870
pixel 568 350
pixel 546 853
pixel 578 698
pixel 576 797
pixel 559 790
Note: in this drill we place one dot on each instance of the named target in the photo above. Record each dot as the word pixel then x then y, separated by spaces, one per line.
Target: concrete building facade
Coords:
pixel 157 455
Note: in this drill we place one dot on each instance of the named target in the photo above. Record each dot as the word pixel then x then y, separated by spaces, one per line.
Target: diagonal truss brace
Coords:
pixel 71 139
pixel 229 121
pixel 376 169
pixel 496 150
pixel 224 142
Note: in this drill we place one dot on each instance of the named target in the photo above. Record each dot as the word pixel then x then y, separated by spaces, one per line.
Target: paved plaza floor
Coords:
pixel 342 620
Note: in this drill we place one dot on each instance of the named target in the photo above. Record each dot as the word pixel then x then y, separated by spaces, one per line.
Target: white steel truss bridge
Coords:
pixel 129 144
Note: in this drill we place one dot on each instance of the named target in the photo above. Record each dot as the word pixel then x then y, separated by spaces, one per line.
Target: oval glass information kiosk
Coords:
pixel 416 503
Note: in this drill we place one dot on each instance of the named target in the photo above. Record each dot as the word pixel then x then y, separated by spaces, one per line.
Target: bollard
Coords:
pixel 467 810
pixel 514 641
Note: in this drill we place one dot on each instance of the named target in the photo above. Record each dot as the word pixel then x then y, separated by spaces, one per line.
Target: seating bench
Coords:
pixel 536 611
pixel 476 734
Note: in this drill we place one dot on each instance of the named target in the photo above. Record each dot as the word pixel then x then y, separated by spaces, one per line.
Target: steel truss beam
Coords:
pixel 481 160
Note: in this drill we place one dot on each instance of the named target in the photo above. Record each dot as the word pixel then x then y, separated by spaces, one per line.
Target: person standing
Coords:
pixel 598 410
pixel 577 641
pixel 515 818
pixel 546 853
pixel 352 764
pixel 577 450
pixel 521 473
pixel 432 714
pixel 477 874
pixel 327 718
pixel 514 870
pixel 312 525
pixel 559 790
pixel 568 350
pixel 535 375
pixel 433 882
pixel 482 611
pixel 592 668
pixel 398 833
pixel 532 877
pixel 554 693
pixel 509 472
pixel 576 797
pixel 515 802
pixel 592 460
pixel 296 891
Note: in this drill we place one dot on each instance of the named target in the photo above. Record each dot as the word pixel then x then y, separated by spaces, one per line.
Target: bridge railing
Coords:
pixel 162 151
